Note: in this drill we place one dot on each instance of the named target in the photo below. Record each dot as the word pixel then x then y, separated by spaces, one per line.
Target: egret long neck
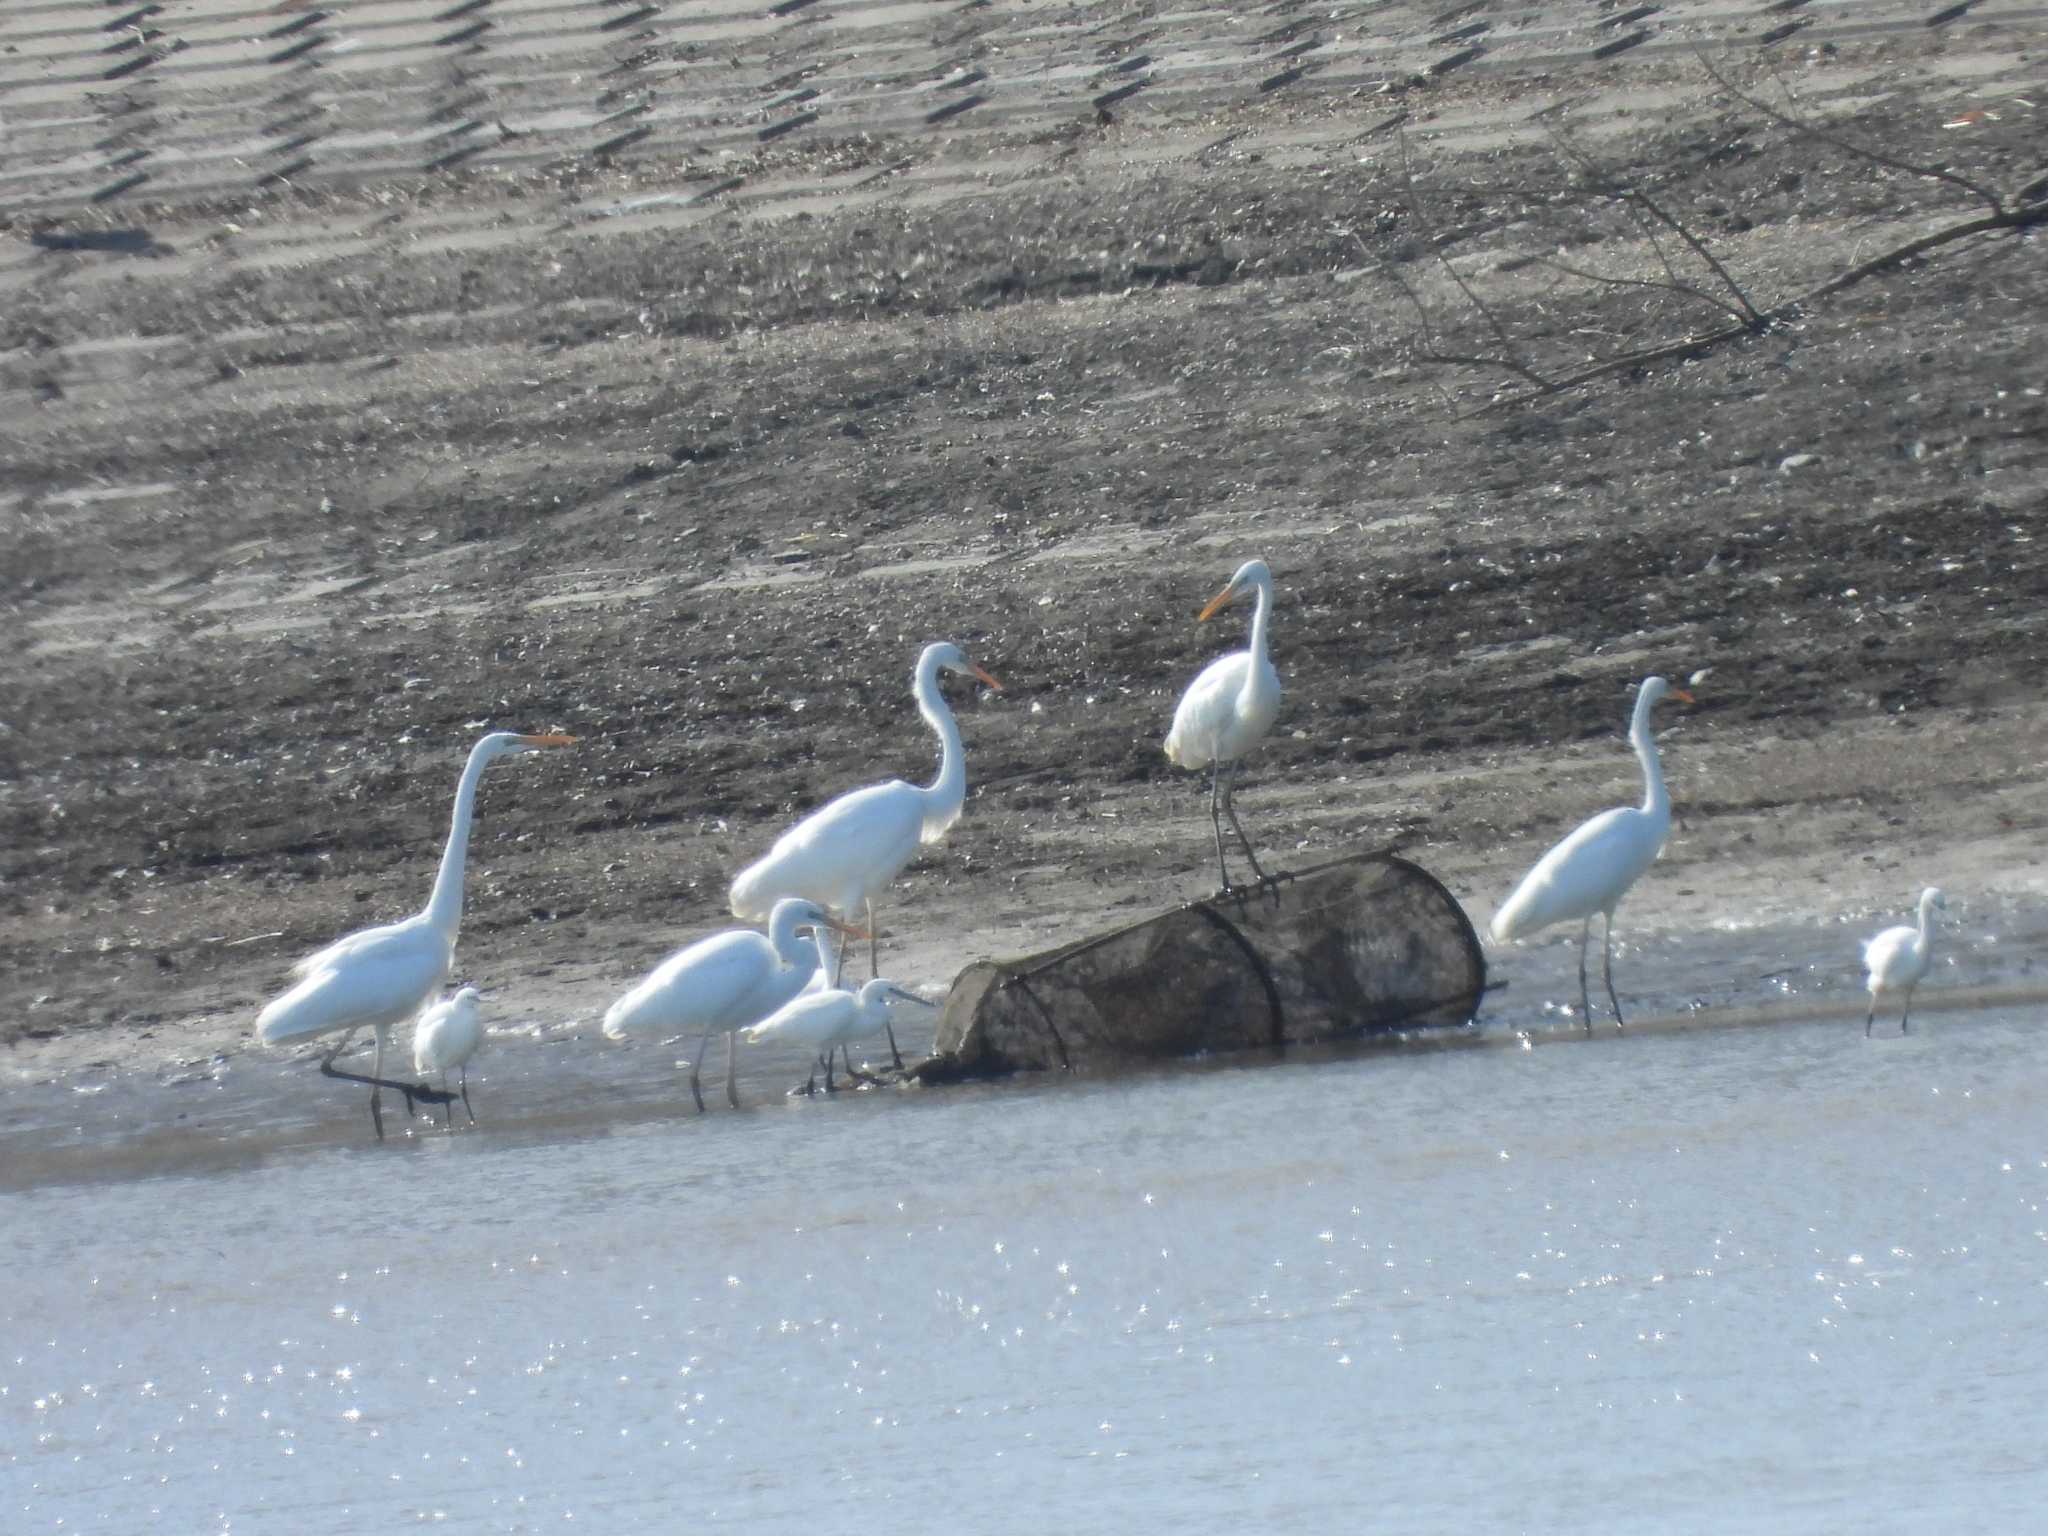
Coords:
pixel 948 792
pixel 1656 800
pixel 782 927
pixel 1260 616
pixel 444 907
pixel 1926 919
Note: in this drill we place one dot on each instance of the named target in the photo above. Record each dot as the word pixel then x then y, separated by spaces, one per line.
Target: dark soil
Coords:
pixel 697 490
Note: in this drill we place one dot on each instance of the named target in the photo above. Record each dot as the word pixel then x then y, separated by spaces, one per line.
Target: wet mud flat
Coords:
pixel 556 1079
pixel 311 480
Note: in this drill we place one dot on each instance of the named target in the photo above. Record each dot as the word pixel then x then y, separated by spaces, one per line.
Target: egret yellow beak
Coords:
pixel 552 739
pixel 984 677
pixel 1215 604
pixel 1682 696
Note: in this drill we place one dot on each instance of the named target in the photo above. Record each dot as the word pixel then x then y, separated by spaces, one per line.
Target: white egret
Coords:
pixel 723 983
pixel 1899 957
pixel 1229 707
pixel 446 1036
pixel 383 976
pixel 1591 870
pixel 828 1020
pixel 844 855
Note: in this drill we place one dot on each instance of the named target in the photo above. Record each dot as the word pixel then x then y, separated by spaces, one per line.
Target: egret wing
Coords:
pixel 382 976
pixel 838 856
pixel 1586 873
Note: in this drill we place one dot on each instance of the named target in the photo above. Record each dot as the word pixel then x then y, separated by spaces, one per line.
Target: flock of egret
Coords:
pixel 837 861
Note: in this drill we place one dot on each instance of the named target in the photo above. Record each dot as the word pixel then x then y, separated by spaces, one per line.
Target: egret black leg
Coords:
pixel 853 1073
pixel 875 969
pixel 1585 1002
pixel 448 1104
pixel 1216 819
pixel 1870 1018
pixel 696 1070
pixel 1906 1013
pixel 732 1068
pixel 464 1080
pixel 1607 970
pixel 1230 810
pixel 377 1081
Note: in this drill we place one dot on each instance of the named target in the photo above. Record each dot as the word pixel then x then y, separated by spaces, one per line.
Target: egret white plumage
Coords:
pixel 444 1039
pixel 383 976
pixel 826 1021
pixel 1897 958
pixel 843 855
pixel 1229 707
pixel 723 983
pixel 1593 868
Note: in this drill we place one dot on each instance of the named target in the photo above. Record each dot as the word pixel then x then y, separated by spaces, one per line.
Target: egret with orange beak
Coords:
pixel 843 855
pixel 1228 708
pixel 1593 868
pixel 384 976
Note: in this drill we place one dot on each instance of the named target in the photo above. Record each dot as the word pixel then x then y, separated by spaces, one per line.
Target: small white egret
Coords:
pixel 1593 868
pixel 446 1036
pixel 844 855
pixel 1229 706
pixel 383 976
pixel 723 983
pixel 1899 957
pixel 826 1021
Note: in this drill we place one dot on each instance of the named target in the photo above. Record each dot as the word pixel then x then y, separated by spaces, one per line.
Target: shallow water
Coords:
pixel 1769 1279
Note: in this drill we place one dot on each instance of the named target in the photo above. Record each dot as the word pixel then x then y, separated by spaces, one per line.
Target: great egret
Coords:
pixel 382 976
pixel 1228 707
pixel 845 854
pixel 1591 870
pixel 446 1036
pixel 827 1020
pixel 1899 957
pixel 723 983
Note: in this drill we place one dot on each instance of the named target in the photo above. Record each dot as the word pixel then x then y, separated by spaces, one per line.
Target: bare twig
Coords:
pixel 1993 223
pixel 1675 286
pixel 1632 197
pixel 1976 189
pixel 1512 357
pixel 1699 249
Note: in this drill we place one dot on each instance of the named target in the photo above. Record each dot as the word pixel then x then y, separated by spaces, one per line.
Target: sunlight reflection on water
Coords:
pixel 1780 1275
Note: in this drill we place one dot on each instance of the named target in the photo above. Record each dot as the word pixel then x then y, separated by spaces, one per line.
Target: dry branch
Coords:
pixel 2008 212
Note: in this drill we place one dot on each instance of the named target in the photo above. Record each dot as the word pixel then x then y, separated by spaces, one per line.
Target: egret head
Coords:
pixel 467 997
pixel 1932 897
pixel 513 743
pixel 1252 576
pixel 944 656
pixel 795 913
pixel 1656 688
pixel 883 990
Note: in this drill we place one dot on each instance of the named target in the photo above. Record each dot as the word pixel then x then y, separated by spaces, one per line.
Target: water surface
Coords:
pixel 1766 1279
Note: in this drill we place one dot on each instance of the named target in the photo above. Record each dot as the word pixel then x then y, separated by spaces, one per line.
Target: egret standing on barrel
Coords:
pixel 1899 957
pixel 1591 870
pixel 844 855
pixel 1228 708
pixel 722 984
pixel 384 976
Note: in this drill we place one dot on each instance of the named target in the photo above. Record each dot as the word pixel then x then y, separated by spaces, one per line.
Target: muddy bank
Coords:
pixel 293 510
